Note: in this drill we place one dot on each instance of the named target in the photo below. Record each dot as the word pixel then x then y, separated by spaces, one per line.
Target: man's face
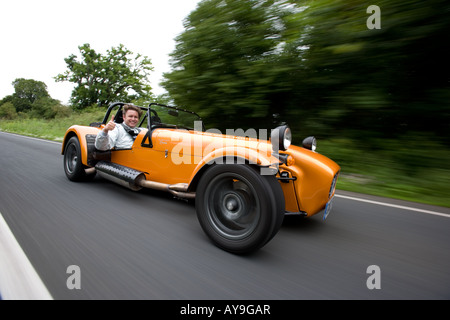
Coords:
pixel 131 118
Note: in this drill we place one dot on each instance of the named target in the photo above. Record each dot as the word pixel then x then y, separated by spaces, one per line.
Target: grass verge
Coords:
pixel 418 171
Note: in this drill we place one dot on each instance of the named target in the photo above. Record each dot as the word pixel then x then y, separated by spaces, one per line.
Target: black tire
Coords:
pixel 239 209
pixel 73 167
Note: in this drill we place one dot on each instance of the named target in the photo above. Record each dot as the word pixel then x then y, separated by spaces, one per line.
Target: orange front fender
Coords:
pixel 234 154
pixel 80 132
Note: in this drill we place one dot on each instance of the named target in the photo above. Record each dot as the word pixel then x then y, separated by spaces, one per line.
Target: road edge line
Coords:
pixel 18 278
pixel 30 137
pixel 394 206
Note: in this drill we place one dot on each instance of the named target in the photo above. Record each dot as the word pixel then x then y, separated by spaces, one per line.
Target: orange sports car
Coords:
pixel 243 185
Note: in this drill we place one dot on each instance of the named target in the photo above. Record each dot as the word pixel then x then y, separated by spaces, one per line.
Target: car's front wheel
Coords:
pixel 239 209
pixel 73 167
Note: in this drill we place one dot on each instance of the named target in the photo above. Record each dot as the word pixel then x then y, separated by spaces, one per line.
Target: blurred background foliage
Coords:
pixel 378 98
pixel 317 65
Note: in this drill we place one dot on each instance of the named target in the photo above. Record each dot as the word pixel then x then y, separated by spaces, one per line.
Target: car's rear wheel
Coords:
pixel 73 167
pixel 239 209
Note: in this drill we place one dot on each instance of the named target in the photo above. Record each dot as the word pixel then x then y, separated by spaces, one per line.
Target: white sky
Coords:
pixel 37 35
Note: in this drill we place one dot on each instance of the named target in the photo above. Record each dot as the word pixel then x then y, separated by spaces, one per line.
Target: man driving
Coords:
pixel 120 136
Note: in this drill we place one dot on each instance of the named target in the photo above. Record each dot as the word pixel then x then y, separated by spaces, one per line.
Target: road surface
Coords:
pixel 148 245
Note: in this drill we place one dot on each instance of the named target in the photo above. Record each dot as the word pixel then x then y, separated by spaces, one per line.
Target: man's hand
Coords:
pixel 110 125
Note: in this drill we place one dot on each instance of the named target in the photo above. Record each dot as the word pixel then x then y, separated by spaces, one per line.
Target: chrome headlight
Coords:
pixel 310 143
pixel 281 138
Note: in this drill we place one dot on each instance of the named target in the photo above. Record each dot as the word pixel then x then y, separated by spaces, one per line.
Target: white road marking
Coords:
pixel 31 138
pixel 18 279
pixel 394 206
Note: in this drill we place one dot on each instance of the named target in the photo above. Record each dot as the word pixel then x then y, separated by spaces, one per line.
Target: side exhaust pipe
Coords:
pixel 135 180
pixel 119 174
pixel 89 170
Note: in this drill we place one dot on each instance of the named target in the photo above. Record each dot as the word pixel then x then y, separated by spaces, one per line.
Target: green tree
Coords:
pixel 317 64
pixel 7 111
pixel 48 108
pixel 26 92
pixel 102 79
pixel 31 97
pixel 222 62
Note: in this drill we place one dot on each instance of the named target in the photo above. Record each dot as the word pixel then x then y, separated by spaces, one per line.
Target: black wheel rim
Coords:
pixel 71 158
pixel 232 204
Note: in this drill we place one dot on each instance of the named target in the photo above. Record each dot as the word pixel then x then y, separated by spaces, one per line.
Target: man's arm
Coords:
pixel 106 139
